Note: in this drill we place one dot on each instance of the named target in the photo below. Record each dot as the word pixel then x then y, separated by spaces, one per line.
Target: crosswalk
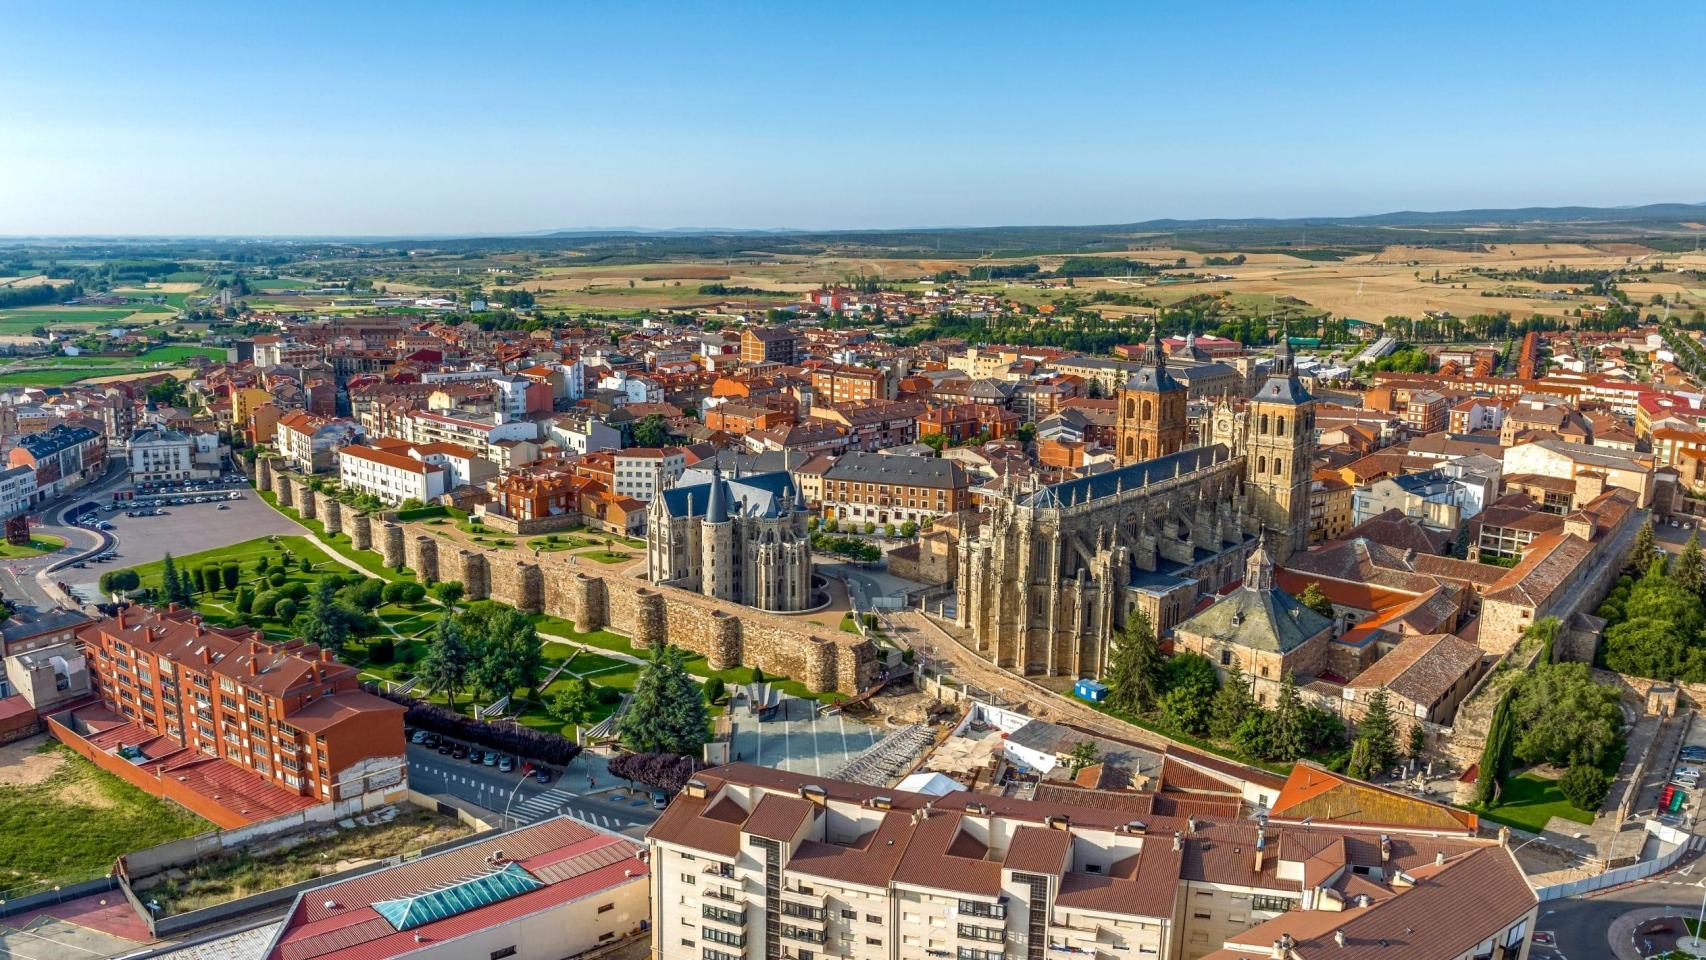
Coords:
pixel 541 805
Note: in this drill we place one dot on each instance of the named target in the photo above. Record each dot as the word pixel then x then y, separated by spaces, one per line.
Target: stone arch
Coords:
pixel 1261 464
pixel 1148 410
pixel 1264 427
pixel 1279 425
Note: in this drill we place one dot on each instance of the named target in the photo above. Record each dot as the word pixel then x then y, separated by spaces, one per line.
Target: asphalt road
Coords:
pixel 1581 926
pixel 525 800
pixel 19 578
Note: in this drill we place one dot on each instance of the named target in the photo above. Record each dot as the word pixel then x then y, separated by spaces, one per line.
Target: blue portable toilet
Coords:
pixel 1094 691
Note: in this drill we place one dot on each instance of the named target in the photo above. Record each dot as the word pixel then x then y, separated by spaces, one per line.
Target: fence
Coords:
pixel 22 899
pixel 1681 843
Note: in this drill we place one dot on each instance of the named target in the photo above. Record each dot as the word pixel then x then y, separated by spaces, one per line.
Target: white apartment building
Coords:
pixel 17 490
pixel 392 477
pixel 643 472
pixel 634 389
pixel 309 443
pixel 476 435
pixel 583 433
pixel 753 863
pixel 159 455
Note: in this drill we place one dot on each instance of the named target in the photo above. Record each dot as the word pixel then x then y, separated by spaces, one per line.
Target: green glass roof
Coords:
pixel 411 911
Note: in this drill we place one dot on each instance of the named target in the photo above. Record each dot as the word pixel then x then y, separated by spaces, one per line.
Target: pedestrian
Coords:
pixel 589 781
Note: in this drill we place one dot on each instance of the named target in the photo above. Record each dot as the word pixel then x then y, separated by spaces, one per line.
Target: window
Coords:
pixel 505 952
pixel 607 908
pixel 852 915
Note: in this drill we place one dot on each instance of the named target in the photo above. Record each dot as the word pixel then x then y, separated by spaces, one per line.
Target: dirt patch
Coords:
pixel 85 794
pixel 22 766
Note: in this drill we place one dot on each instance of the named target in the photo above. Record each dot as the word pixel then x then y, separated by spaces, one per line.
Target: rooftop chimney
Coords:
pixel 1339 937
pixel 1261 847
pixel 1178 841
pixel 1385 848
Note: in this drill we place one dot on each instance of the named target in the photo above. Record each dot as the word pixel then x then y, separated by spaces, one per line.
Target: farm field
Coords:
pixel 59 371
pixel 45 788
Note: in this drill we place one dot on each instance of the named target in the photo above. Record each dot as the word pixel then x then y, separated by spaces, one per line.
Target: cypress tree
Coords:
pixel 1290 739
pixel 1377 733
pixel 1642 553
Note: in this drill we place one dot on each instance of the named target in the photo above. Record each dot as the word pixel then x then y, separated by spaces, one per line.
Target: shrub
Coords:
pixel 295 591
pixel 229 573
pixel 668 772
pixel 833 526
pixel 245 600
pixel 409 654
pixel 870 527
pixel 609 696
pixel 714 689
pixel 909 528
pixel 285 610
pixel 403 592
pixel 264 604
pixel 277 578
pixel 888 530
pixel 1585 786
pixel 305 565
pixel 511 738
pixel 262 563
pixel 382 650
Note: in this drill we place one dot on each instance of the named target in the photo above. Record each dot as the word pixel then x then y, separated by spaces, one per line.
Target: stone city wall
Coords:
pixel 331 513
pixel 303 495
pixel 727 634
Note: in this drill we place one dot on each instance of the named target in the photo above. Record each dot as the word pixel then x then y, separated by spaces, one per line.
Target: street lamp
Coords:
pixel 525 773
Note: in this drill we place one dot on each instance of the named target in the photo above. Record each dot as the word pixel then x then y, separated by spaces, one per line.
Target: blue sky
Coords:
pixel 382 118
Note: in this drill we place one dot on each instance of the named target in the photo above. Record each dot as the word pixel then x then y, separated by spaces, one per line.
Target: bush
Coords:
pixel 668 772
pixel 609 696
pixel 264 604
pixel 833 526
pixel 909 529
pixel 295 591
pixel 1585 786
pixel 245 600
pixel 714 689
pixel 409 654
pixel 382 650
pixel 305 565
pixel 888 530
pixel 277 578
pixel 229 573
pixel 262 563
pixel 870 527
pixel 285 610
pixel 403 592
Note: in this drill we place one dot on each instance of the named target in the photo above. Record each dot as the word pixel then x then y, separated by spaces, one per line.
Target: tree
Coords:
pixel 172 584
pixel 507 651
pixel 757 674
pixel 1286 730
pixel 1689 572
pixel 1255 736
pixel 1231 704
pixel 667 711
pixel 1585 786
pixel 1190 681
pixel 230 573
pixel 448 661
pixel 1084 753
pixel 1495 755
pixel 448 593
pixel 1134 670
pixel 1460 544
pixel 1377 733
pixel 714 689
pixel 575 702
pixel 120 581
pixel 1314 599
pixel 1642 553
pixel 651 431
pixel 245 600
pixel 1562 716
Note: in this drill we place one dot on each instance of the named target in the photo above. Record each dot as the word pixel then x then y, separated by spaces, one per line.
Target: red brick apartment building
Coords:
pixel 287 713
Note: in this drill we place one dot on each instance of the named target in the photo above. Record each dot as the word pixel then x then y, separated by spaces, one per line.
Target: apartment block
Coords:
pixel 389 475
pixel 751 862
pixel 288 713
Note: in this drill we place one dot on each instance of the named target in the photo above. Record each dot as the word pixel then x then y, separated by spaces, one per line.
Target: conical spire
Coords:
pixel 717 510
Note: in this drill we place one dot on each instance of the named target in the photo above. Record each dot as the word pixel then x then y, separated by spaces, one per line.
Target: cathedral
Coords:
pixel 1053 572
pixel 742 539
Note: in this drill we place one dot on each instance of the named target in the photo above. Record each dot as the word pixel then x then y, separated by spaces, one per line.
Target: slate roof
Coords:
pixel 762 494
pixel 1270 620
pixel 1133 477
pixel 910 471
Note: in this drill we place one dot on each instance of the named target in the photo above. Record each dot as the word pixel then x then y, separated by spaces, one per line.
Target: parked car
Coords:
pixel 444 747
pixel 505 764
pixel 491 759
pixel 660 800
pixel 459 752
pixel 419 737
pixel 542 775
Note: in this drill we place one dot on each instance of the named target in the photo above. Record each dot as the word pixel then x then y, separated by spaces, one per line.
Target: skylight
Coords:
pixel 411 911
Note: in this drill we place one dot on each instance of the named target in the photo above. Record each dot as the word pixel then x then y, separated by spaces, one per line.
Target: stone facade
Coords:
pixel 421 552
pixel 331 513
pixel 742 539
pixel 390 545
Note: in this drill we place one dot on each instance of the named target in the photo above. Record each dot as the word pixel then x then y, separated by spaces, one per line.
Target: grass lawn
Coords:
pixel 241 874
pixel 179 353
pixel 38 545
pixel 607 556
pixel 1528 801
pixel 73 824
pixel 47 378
pixel 557 541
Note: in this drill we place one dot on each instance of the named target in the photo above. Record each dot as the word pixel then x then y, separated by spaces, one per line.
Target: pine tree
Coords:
pixel 448 659
pixel 1377 734
pixel 689 720
pixel 1134 670
pixel 1232 703
pixel 666 713
pixel 1287 731
pixel 172 584
pixel 1641 556
pixel 1689 570
pixel 1460 545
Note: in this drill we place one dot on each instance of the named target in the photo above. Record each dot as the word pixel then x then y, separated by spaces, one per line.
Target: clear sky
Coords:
pixel 404 118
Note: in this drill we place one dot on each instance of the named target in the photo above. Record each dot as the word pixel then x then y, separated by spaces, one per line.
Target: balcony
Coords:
pixel 733 918
pixel 725 894
pixel 983 911
pixel 799 911
pixel 790 932
pixel 969 931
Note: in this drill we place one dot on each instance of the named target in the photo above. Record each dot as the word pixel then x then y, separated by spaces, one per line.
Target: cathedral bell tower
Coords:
pixel 1151 421
pixel 1279 448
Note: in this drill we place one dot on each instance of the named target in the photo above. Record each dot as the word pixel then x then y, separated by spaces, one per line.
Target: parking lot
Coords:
pixel 183 529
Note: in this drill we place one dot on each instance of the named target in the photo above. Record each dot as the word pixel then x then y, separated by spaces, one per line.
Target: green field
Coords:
pixel 48 316
pixel 73 824
pixel 1529 801
pixel 283 284
pixel 60 371
pixel 38 545
pixel 178 354
pixel 49 378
